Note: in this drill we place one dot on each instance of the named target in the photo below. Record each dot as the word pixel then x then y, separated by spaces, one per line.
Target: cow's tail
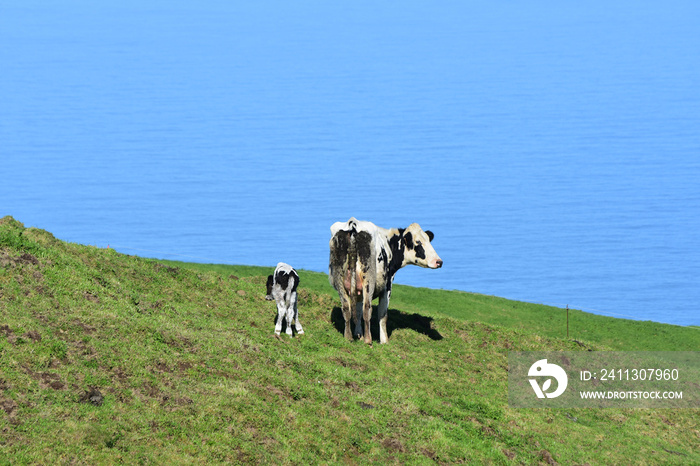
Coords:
pixel 352 272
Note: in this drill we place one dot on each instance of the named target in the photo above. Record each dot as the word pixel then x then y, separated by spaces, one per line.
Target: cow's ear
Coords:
pixel 430 235
pixel 408 238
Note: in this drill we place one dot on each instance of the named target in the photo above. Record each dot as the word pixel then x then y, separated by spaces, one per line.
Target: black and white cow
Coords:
pixel 363 261
pixel 282 287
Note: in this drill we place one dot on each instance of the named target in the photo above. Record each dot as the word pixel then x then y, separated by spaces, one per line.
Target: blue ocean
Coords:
pixel 552 147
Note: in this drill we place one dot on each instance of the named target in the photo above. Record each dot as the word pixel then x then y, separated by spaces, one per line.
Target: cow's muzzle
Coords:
pixel 437 264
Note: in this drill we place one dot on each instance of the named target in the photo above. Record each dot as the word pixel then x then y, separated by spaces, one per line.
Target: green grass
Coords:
pixel 188 371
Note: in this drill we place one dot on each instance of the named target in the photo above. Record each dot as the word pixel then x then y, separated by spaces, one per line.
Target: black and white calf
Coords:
pixel 364 259
pixel 282 287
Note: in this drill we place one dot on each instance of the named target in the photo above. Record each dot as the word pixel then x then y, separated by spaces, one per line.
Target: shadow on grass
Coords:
pixel 397 320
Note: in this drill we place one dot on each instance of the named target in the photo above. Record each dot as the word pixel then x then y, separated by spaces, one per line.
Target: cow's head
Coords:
pixel 418 250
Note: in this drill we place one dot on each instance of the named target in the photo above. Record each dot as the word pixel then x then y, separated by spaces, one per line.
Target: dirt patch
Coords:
pixel 8 405
pixel 162 367
pixel 393 444
pixel 184 366
pixel 57 385
pixel 42 290
pixel 33 335
pixel 8 333
pixel 25 259
pixel 49 380
pixel 84 327
pixel 352 365
pixel 165 268
pixel 5 259
pixel 546 457
pixel 120 374
pixel 83 349
pixel 91 297
pixel 152 391
pixel 46 379
pixel 180 343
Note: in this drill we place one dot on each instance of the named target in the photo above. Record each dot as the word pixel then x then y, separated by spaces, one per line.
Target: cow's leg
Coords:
pixel 383 315
pixel 281 311
pixel 367 315
pixel 358 320
pixel 346 304
pixel 297 324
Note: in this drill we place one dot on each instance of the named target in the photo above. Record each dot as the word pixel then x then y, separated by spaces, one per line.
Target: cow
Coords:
pixel 364 259
pixel 282 287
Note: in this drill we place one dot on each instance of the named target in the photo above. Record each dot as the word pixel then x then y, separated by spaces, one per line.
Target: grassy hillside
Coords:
pixel 106 357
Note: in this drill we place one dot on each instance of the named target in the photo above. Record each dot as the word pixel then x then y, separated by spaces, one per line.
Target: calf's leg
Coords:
pixel 281 311
pixel 289 315
pixel 297 324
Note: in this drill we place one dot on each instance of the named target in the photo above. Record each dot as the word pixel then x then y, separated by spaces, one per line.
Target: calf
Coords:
pixel 363 261
pixel 282 287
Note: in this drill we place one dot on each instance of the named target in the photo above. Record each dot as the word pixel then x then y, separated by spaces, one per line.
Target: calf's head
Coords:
pixel 270 282
pixel 418 250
